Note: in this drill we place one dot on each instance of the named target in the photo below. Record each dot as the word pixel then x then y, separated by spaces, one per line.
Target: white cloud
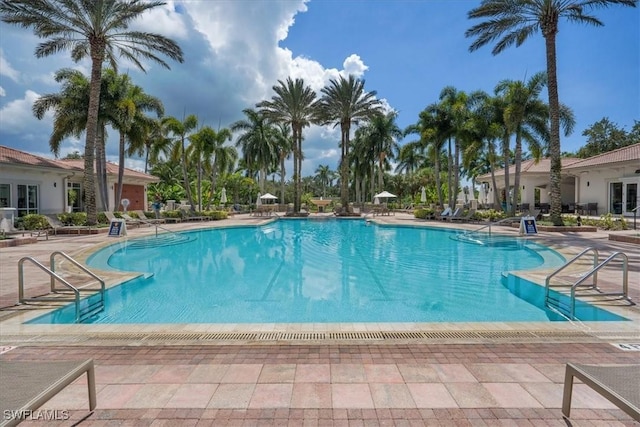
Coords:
pixel 164 20
pixel 6 69
pixel 17 116
pixel 2 91
pixel 354 65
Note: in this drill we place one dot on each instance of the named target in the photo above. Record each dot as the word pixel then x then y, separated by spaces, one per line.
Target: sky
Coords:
pixel 407 51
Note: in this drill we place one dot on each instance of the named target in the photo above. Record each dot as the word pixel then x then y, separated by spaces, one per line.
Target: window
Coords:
pixel 27 199
pixel 5 195
pixel 73 197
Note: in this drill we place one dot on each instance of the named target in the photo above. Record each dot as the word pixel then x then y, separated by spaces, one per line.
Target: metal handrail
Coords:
pixel 568 263
pixel 77 264
pixel 594 272
pixel 53 275
pixel 493 223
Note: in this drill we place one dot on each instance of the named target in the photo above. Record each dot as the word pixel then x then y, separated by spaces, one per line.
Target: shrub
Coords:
pixel 77 218
pixel 217 215
pixel 490 215
pixel 34 222
pixel 423 213
pixel 172 214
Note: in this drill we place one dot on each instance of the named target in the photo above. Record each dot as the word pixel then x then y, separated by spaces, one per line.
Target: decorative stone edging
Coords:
pixel 18 241
pixel 567 228
pixel 625 238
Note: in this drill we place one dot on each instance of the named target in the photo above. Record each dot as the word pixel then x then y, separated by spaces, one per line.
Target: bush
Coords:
pixel 491 215
pixel 77 218
pixel 216 215
pixel 34 222
pixel 172 214
pixel 423 213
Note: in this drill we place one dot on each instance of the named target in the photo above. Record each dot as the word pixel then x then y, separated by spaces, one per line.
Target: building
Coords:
pixel 34 184
pixel 606 183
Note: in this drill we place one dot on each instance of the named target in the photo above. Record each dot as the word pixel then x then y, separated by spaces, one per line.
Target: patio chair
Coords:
pixel 444 214
pixel 455 214
pixel 26 386
pixel 619 384
pixel 463 218
pixel 56 225
pixel 142 217
pixel 111 217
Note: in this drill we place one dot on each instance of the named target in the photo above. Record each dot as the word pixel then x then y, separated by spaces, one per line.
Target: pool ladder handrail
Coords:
pixel 510 219
pixel 593 274
pixel 80 314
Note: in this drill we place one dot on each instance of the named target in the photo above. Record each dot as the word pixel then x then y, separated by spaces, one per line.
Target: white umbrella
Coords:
pixel 385 195
pixel 376 201
pixel 259 200
pixel 223 196
pixel 268 196
pixel 423 195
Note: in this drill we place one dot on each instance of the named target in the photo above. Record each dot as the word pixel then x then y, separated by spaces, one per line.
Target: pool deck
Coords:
pixel 404 374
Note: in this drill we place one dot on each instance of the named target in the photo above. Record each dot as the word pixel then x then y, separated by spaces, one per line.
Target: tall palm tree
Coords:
pixel 294 103
pixel 70 117
pixel 97 30
pixel 383 134
pixel 181 131
pixel 284 147
pixel 257 143
pixel 344 103
pixel 323 174
pixel 511 22
pixel 128 117
pixel 219 158
pixel 410 158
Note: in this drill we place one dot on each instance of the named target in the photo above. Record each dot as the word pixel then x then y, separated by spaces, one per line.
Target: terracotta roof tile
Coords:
pixel 13 156
pixel 624 154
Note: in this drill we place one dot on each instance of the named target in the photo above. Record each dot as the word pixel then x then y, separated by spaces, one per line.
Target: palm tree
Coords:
pixel 294 103
pixel 181 131
pixel 345 103
pixel 257 143
pixel 511 22
pixel 96 30
pixel 410 158
pixel 70 117
pixel 383 134
pixel 284 147
pixel 131 102
pixel 323 174
pixel 219 158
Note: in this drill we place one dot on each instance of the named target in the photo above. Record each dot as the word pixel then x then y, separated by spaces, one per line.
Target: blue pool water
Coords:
pixel 324 271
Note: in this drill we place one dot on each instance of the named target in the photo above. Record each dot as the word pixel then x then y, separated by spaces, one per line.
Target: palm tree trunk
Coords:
pixel 120 169
pixel 438 182
pixel 516 178
pixel 450 175
pixel 282 175
pixel 344 184
pixel 296 173
pixel 456 169
pixel 88 178
pixel 555 209
pixel 507 158
pixel 100 162
pixel 185 176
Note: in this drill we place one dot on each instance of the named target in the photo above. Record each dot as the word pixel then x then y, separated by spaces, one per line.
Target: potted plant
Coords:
pixel 72 196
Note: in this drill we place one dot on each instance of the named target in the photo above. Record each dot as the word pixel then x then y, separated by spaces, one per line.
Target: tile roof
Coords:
pixel 531 166
pixel 12 156
pixel 624 154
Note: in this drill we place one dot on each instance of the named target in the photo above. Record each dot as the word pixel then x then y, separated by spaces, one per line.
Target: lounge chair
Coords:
pixel 618 384
pixel 444 214
pixel 142 217
pixel 456 214
pixel 463 218
pixel 26 386
pixel 56 225
pixel 127 219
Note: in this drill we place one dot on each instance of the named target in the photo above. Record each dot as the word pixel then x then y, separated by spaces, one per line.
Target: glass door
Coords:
pixel 27 199
pixel 630 198
pixel 615 198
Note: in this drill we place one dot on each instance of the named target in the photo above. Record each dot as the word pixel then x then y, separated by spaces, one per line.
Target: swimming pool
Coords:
pixel 300 271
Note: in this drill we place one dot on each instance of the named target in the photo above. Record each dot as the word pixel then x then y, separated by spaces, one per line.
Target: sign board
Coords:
pixel 117 228
pixel 528 225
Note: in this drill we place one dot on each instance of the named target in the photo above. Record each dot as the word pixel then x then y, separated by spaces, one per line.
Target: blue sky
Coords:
pixel 406 50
